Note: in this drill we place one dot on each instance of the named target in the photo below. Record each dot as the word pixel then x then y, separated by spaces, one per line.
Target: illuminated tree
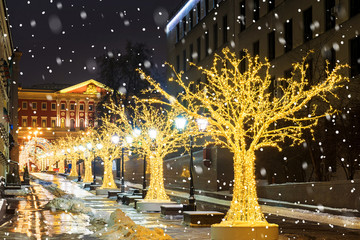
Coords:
pixel 108 150
pixel 244 116
pixel 155 137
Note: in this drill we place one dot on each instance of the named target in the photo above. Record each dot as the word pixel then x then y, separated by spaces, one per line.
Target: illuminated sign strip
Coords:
pixel 180 15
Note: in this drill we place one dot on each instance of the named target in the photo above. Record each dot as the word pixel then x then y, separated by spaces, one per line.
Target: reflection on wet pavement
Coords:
pixel 32 222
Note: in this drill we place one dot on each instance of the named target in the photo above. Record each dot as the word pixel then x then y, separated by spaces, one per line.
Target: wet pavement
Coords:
pixel 33 222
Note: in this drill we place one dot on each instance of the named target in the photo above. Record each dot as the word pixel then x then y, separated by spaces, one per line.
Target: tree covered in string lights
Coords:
pixel 154 134
pixel 244 116
pixel 107 149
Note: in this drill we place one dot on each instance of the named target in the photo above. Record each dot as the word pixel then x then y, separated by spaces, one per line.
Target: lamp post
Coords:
pixel 115 139
pixel 98 146
pixel 180 124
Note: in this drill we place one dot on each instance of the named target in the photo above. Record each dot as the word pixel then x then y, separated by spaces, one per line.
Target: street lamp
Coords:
pixel 180 123
pixel 98 146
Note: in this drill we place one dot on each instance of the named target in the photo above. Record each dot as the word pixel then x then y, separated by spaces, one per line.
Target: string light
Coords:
pixel 244 116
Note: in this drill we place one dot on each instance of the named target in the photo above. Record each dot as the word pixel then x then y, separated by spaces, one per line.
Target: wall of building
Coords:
pixel 283 33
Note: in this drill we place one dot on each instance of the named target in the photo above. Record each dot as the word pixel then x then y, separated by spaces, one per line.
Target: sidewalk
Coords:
pixel 347 218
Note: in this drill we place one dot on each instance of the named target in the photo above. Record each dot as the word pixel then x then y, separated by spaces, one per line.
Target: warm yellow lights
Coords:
pixel 242 113
pixel 155 136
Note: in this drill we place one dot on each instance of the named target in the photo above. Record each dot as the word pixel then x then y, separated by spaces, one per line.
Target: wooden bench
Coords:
pixel 130 192
pixel 94 186
pixel 173 209
pixel 202 218
pixel 113 193
pixel 127 199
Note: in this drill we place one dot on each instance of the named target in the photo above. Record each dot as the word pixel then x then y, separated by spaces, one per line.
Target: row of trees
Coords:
pixel 242 114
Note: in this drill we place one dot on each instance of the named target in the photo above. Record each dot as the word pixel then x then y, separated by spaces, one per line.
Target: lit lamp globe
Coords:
pixel 152 134
pixel 115 139
pixel 180 123
pixel 136 132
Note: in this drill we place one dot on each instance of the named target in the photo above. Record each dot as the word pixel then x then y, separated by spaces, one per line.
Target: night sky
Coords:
pixel 59 39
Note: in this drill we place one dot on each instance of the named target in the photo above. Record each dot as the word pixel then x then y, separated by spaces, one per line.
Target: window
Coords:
pixel 177 63
pixel 198 43
pixel 177 32
pixel 44 106
pixel 287 75
pixel 191 14
pixel 184 60
pixel 34 106
pixel 256 48
pixel 225 29
pixel 24 105
pixel 309 73
pixel 207 47
pixel 82 126
pixel 215 30
pixel 24 121
pixel 355 56
pixel 43 122
pixel 72 106
pixel 183 27
pixel 81 107
pixel 191 53
pixel 72 124
pixel 271 5
pixel 63 106
pixel 354 7
pixel 307 21
pixel 242 16
pixel 53 106
pixel 34 122
pixel 288 35
pixel 62 122
pixel 243 61
pixel 206 7
pixel 53 123
pixel 256 10
pixel 330 56
pixel 198 10
pixel 91 107
pixel 271 45
pixel 329 14
pixel 272 87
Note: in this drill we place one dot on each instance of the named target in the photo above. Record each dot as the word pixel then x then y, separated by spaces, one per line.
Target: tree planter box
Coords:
pixel 202 218
pixel 245 232
pixel 151 205
pixel 172 209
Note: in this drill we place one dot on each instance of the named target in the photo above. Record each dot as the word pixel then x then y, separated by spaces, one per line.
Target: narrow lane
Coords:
pixel 33 222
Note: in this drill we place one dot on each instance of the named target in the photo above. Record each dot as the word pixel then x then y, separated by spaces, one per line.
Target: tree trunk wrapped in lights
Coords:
pixel 88 171
pixel 165 138
pixel 244 116
pixel 74 159
pixel 109 150
pixel 108 181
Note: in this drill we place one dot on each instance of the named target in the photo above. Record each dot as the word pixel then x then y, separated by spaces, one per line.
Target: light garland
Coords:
pixel 242 116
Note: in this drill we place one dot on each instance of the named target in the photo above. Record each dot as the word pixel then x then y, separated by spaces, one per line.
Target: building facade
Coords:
pixel 283 31
pixel 8 82
pixel 47 112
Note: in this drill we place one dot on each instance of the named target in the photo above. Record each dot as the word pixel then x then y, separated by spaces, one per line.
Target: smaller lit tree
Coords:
pixel 108 139
pixel 156 136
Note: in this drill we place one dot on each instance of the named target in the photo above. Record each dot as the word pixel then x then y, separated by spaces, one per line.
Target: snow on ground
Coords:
pixel 121 226
pixel 332 220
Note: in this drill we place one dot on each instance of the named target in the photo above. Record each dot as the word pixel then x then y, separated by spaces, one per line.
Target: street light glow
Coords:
pixel 115 139
pixel 152 133
pixel 137 132
pixel 129 139
pixel 180 123
pixel 202 124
